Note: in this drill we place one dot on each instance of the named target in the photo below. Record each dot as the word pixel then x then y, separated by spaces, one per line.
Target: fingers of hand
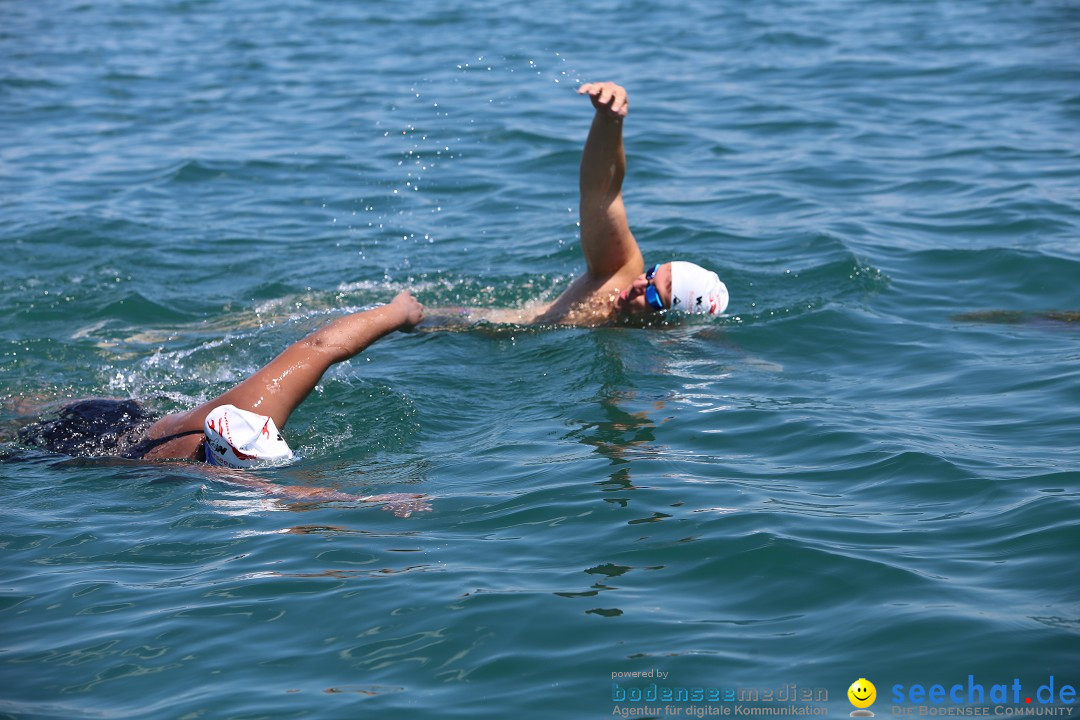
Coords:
pixel 619 104
pixel 606 96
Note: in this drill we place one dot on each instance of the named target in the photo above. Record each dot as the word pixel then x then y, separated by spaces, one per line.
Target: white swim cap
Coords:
pixel 696 290
pixel 242 439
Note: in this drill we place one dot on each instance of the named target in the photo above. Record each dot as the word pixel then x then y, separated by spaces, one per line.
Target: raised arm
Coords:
pixel 606 240
pixel 283 383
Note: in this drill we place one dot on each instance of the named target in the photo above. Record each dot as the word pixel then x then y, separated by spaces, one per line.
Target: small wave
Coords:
pixel 760 297
pixel 1016 279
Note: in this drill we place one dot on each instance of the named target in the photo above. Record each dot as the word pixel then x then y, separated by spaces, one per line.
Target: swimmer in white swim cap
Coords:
pixel 616 283
pixel 239 428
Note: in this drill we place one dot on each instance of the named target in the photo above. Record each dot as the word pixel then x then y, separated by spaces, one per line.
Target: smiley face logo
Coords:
pixel 862 693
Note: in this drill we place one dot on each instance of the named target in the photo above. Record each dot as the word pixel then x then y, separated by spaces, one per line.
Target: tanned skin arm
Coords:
pixel 606 241
pixel 612 256
pixel 283 383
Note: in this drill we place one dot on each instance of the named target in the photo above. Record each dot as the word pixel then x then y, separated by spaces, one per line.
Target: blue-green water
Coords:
pixel 869 469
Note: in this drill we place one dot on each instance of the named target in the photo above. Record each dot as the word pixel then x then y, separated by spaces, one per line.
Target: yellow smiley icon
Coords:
pixel 862 693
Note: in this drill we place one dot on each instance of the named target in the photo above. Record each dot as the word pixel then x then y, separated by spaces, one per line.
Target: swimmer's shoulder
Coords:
pixel 588 302
pixel 175 436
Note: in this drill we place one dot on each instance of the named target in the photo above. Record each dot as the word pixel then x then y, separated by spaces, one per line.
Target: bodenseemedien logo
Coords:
pixel 862 694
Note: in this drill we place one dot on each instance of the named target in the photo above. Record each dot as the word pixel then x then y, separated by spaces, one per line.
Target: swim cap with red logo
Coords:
pixel 243 439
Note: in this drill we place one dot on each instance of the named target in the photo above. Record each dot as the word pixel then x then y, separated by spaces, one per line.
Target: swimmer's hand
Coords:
pixel 409 310
pixel 401 504
pixel 608 98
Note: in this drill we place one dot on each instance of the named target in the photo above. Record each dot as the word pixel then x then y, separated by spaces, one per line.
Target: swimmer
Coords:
pixel 616 283
pixel 616 286
pixel 238 429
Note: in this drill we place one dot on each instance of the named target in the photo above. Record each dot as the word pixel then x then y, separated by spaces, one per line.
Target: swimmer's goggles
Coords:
pixel 652 295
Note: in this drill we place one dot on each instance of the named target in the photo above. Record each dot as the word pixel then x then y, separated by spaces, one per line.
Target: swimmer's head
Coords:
pixel 678 286
pixel 242 439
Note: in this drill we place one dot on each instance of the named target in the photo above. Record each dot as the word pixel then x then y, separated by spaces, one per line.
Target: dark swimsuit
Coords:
pixel 141 448
pixel 99 427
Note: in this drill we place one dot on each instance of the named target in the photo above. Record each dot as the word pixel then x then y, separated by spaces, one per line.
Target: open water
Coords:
pixel 869 469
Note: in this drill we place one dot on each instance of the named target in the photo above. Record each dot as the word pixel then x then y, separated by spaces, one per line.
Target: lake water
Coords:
pixel 868 469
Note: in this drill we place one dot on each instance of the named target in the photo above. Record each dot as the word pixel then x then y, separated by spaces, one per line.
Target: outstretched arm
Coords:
pixel 282 384
pixel 400 504
pixel 606 240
